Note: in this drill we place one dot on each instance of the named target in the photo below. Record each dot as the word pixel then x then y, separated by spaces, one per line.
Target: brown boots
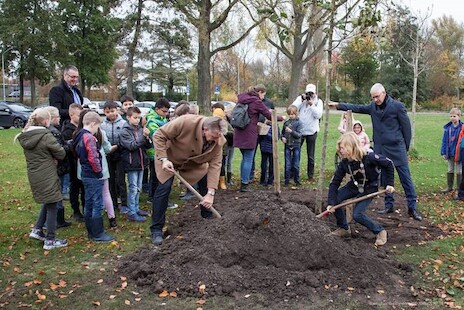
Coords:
pixel 222 182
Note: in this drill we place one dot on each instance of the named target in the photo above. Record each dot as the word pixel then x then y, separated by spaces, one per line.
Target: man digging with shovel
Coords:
pixel 363 169
pixel 191 144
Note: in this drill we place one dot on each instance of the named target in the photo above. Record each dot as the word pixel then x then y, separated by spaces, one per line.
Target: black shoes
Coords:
pixel 387 210
pixel 157 238
pixel 411 212
pixel 414 214
pixel 244 188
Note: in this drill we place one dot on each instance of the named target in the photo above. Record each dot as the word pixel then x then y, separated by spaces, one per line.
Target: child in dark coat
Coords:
pixel 364 169
pixel 42 151
pixel 267 161
pixel 134 142
pixel 291 137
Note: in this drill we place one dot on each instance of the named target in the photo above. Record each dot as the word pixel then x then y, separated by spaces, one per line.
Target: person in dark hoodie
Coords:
pixel 134 142
pixel 42 151
pixel 246 139
pixel 87 150
pixel 76 188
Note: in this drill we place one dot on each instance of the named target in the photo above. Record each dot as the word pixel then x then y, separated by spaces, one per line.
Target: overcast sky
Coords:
pixel 455 8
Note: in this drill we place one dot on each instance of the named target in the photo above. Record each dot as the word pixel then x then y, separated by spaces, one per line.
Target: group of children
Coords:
pixel 99 155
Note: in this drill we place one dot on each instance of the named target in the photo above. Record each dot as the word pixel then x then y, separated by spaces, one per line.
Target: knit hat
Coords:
pixel 219 113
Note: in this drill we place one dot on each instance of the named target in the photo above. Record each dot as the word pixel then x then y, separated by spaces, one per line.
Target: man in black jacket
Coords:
pixel 392 137
pixel 66 93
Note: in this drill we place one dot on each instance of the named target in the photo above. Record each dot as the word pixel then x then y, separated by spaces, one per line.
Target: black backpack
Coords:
pixel 239 117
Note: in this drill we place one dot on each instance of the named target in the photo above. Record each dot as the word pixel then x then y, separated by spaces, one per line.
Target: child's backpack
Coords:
pixel 239 117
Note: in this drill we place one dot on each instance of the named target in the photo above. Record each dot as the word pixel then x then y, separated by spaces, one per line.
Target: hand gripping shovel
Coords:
pixel 348 202
pixel 194 191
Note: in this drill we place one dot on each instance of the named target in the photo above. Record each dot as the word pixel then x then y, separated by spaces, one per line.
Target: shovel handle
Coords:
pixel 348 202
pixel 196 193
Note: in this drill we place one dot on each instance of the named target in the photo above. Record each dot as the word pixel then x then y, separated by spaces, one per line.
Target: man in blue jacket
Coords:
pixel 392 137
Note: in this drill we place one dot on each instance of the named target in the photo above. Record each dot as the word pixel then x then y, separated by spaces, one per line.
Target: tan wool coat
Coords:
pixel 181 141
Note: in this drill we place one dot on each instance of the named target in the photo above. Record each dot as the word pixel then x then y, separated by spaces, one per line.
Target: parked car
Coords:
pixel 145 106
pixel 101 104
pixel 225 103
pixel 14 114
pixel 87 104
pixel 15 94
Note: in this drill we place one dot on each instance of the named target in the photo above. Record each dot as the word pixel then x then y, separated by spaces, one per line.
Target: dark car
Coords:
pixel 13 114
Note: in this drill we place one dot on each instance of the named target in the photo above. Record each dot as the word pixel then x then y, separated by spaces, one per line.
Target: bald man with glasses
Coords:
pixel 392 137
pixel 66 92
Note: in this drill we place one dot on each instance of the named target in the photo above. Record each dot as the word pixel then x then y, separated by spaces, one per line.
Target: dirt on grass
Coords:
pixel 268 251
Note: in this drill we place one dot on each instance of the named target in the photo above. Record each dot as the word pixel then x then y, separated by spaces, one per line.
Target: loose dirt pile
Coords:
pixel 274 248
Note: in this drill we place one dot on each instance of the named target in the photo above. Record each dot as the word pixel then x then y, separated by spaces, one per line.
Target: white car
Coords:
pixel 89 104
pixel 145 106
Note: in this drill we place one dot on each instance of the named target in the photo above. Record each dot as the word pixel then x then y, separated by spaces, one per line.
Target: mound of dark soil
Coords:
pixel 276 248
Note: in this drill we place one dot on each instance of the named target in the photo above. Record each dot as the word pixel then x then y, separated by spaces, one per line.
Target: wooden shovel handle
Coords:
pixel 348 202
pixel 196 193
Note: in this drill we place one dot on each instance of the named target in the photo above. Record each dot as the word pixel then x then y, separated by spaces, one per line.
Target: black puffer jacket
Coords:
pixel 373 164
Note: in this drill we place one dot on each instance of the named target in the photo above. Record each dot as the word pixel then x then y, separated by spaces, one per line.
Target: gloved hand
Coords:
pixel 330 209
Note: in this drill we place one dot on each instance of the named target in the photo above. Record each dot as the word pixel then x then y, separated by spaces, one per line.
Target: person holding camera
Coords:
pixel 310 109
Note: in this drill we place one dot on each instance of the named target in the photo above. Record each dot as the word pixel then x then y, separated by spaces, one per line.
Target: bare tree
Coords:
pixel 207 16
pixel 418 58
pixel 303 32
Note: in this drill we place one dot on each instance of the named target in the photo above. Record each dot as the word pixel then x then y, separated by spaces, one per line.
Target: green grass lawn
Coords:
pixel 74 276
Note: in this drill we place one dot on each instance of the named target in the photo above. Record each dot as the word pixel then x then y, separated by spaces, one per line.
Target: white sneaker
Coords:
pixel 172 205
pixel 37 234
pixel 57 243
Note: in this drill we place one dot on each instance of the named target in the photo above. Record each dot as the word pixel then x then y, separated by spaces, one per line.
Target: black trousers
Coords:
pixel 117 181
pixel 310 149
pixel 76 189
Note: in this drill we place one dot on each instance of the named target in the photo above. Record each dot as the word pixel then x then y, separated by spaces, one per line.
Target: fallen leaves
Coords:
pixel 165 293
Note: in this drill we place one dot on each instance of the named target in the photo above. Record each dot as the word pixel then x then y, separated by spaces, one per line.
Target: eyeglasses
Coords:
pixel 73 76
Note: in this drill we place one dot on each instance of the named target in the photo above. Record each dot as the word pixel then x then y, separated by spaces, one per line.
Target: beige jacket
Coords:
pixel 181 141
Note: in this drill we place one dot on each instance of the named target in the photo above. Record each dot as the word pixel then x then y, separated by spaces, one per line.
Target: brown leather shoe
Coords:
pixel 381 238
pixel 341 232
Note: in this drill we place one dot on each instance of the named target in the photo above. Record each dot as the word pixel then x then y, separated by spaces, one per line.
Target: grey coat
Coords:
pixel 42 151
pixel 391 128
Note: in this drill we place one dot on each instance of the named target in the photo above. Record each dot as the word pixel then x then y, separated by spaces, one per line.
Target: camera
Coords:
pixel 307 96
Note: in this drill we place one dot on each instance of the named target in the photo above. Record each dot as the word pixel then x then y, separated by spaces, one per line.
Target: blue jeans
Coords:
pixel 246 164
pixel 408 187
pixel 359 211
pixel 134 178
pixel 93 197
pixel 161 199
pixel 292 163
pixel 230 158
pixel 65 183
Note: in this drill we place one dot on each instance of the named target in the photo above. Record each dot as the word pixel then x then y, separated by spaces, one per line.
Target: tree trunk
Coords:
pixel 132 49
pixel 414 95
pixel 320 188
pixel 32 91
pixel 203 69
pixel 293 88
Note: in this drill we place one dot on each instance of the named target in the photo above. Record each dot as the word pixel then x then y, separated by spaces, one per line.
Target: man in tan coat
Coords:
pixel 191 144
